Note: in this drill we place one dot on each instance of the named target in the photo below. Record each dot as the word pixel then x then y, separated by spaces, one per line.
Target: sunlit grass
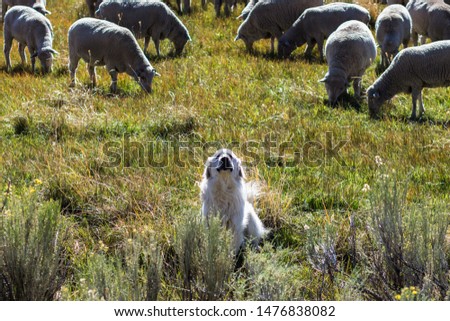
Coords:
pixel 215 94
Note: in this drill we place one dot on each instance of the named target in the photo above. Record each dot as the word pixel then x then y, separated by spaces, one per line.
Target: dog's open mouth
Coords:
pixel 225 164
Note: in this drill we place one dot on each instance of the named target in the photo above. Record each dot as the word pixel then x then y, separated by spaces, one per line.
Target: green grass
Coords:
pixel 217 94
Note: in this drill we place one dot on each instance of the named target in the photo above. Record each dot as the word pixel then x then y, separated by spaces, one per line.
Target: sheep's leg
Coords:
pixel 405 43
pixel 320 47
pixel 33 61
pixel 6 51
pixel 423 39
pixel 357 87
pixel 227 9
pixel 92 75
pixel 156 41
pixel 421 107
pixel 22 53
pixel 272 45
pixel 309 48
pixel 415 94
pixel 204 4
pixel 415 37
pixel 73 65
pixel 4 8
pixel 217 5
pixel 113 73
pixel 146 42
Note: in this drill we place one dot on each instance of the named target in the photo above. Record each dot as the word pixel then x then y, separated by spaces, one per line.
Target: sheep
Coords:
pixel 316 24
pixel 270 18
pixel 349 51
pixel 392 28
pixel 147 19
pixel 93 6
pixel 401 2
pixel 228 4
pixel 33 30
pixel 439 22
pixel 38 5
pixel 411 70
pixel 246 11
pixel 103 43
pixel 418 10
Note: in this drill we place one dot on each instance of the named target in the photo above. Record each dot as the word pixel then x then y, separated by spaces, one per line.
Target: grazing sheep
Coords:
pixel 439 22
pixel 392 28
pixel 31 29
pixel 103 43
pixel 270 18
pixel 349 50
pixel 147 19
pixel 316 24
pixel 93 6
pixel 246 11
pixel 38 5
pixel 411 70
pixel 418 9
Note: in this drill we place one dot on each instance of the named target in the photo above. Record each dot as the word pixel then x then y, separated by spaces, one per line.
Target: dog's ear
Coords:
pixel 207 172
pixel 241 172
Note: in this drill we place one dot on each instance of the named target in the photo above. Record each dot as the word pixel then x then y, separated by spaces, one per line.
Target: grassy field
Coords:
pixel 100 199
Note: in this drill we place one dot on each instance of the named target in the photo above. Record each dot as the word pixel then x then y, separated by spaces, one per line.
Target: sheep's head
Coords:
pixel 40 7
pixel 285 48
pixel 374 101
pixel 335 85
pixel 145 78
pixel 45 56
pixel 248 34
pixel 180 41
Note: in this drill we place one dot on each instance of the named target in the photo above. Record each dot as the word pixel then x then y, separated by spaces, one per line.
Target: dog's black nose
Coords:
pixel 225 164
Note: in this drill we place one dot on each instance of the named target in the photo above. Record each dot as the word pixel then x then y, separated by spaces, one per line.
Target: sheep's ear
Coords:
pixel 155 73
pixel 53 51
pixel 324 79
pixel 34 55
pixel 237 38
pixel 46 12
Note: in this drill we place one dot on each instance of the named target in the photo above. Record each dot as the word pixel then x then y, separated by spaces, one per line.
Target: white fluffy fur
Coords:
pixel 226 193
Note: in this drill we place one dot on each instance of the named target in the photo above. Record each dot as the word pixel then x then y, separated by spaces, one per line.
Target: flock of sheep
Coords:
pixel 350 48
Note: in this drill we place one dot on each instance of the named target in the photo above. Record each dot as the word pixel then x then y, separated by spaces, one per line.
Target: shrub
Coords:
pixel 33 259
pixel 205 258
pixel 407 243
pixel 130 273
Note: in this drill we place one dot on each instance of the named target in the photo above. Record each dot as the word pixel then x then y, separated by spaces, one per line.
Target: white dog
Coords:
pixel 224 191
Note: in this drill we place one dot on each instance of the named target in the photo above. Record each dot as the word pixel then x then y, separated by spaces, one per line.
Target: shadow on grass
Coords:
pixel 154 58
pixel 105 92
pixel 424 120
pixel 347 102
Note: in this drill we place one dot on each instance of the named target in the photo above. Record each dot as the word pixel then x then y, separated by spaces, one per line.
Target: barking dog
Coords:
pixel 224 191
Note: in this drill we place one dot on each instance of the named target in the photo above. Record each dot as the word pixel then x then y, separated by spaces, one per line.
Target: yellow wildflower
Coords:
pixel 414 292
pixel 37 181
pixel 398 297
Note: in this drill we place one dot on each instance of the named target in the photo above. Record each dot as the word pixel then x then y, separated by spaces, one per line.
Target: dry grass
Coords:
pixel 215 94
